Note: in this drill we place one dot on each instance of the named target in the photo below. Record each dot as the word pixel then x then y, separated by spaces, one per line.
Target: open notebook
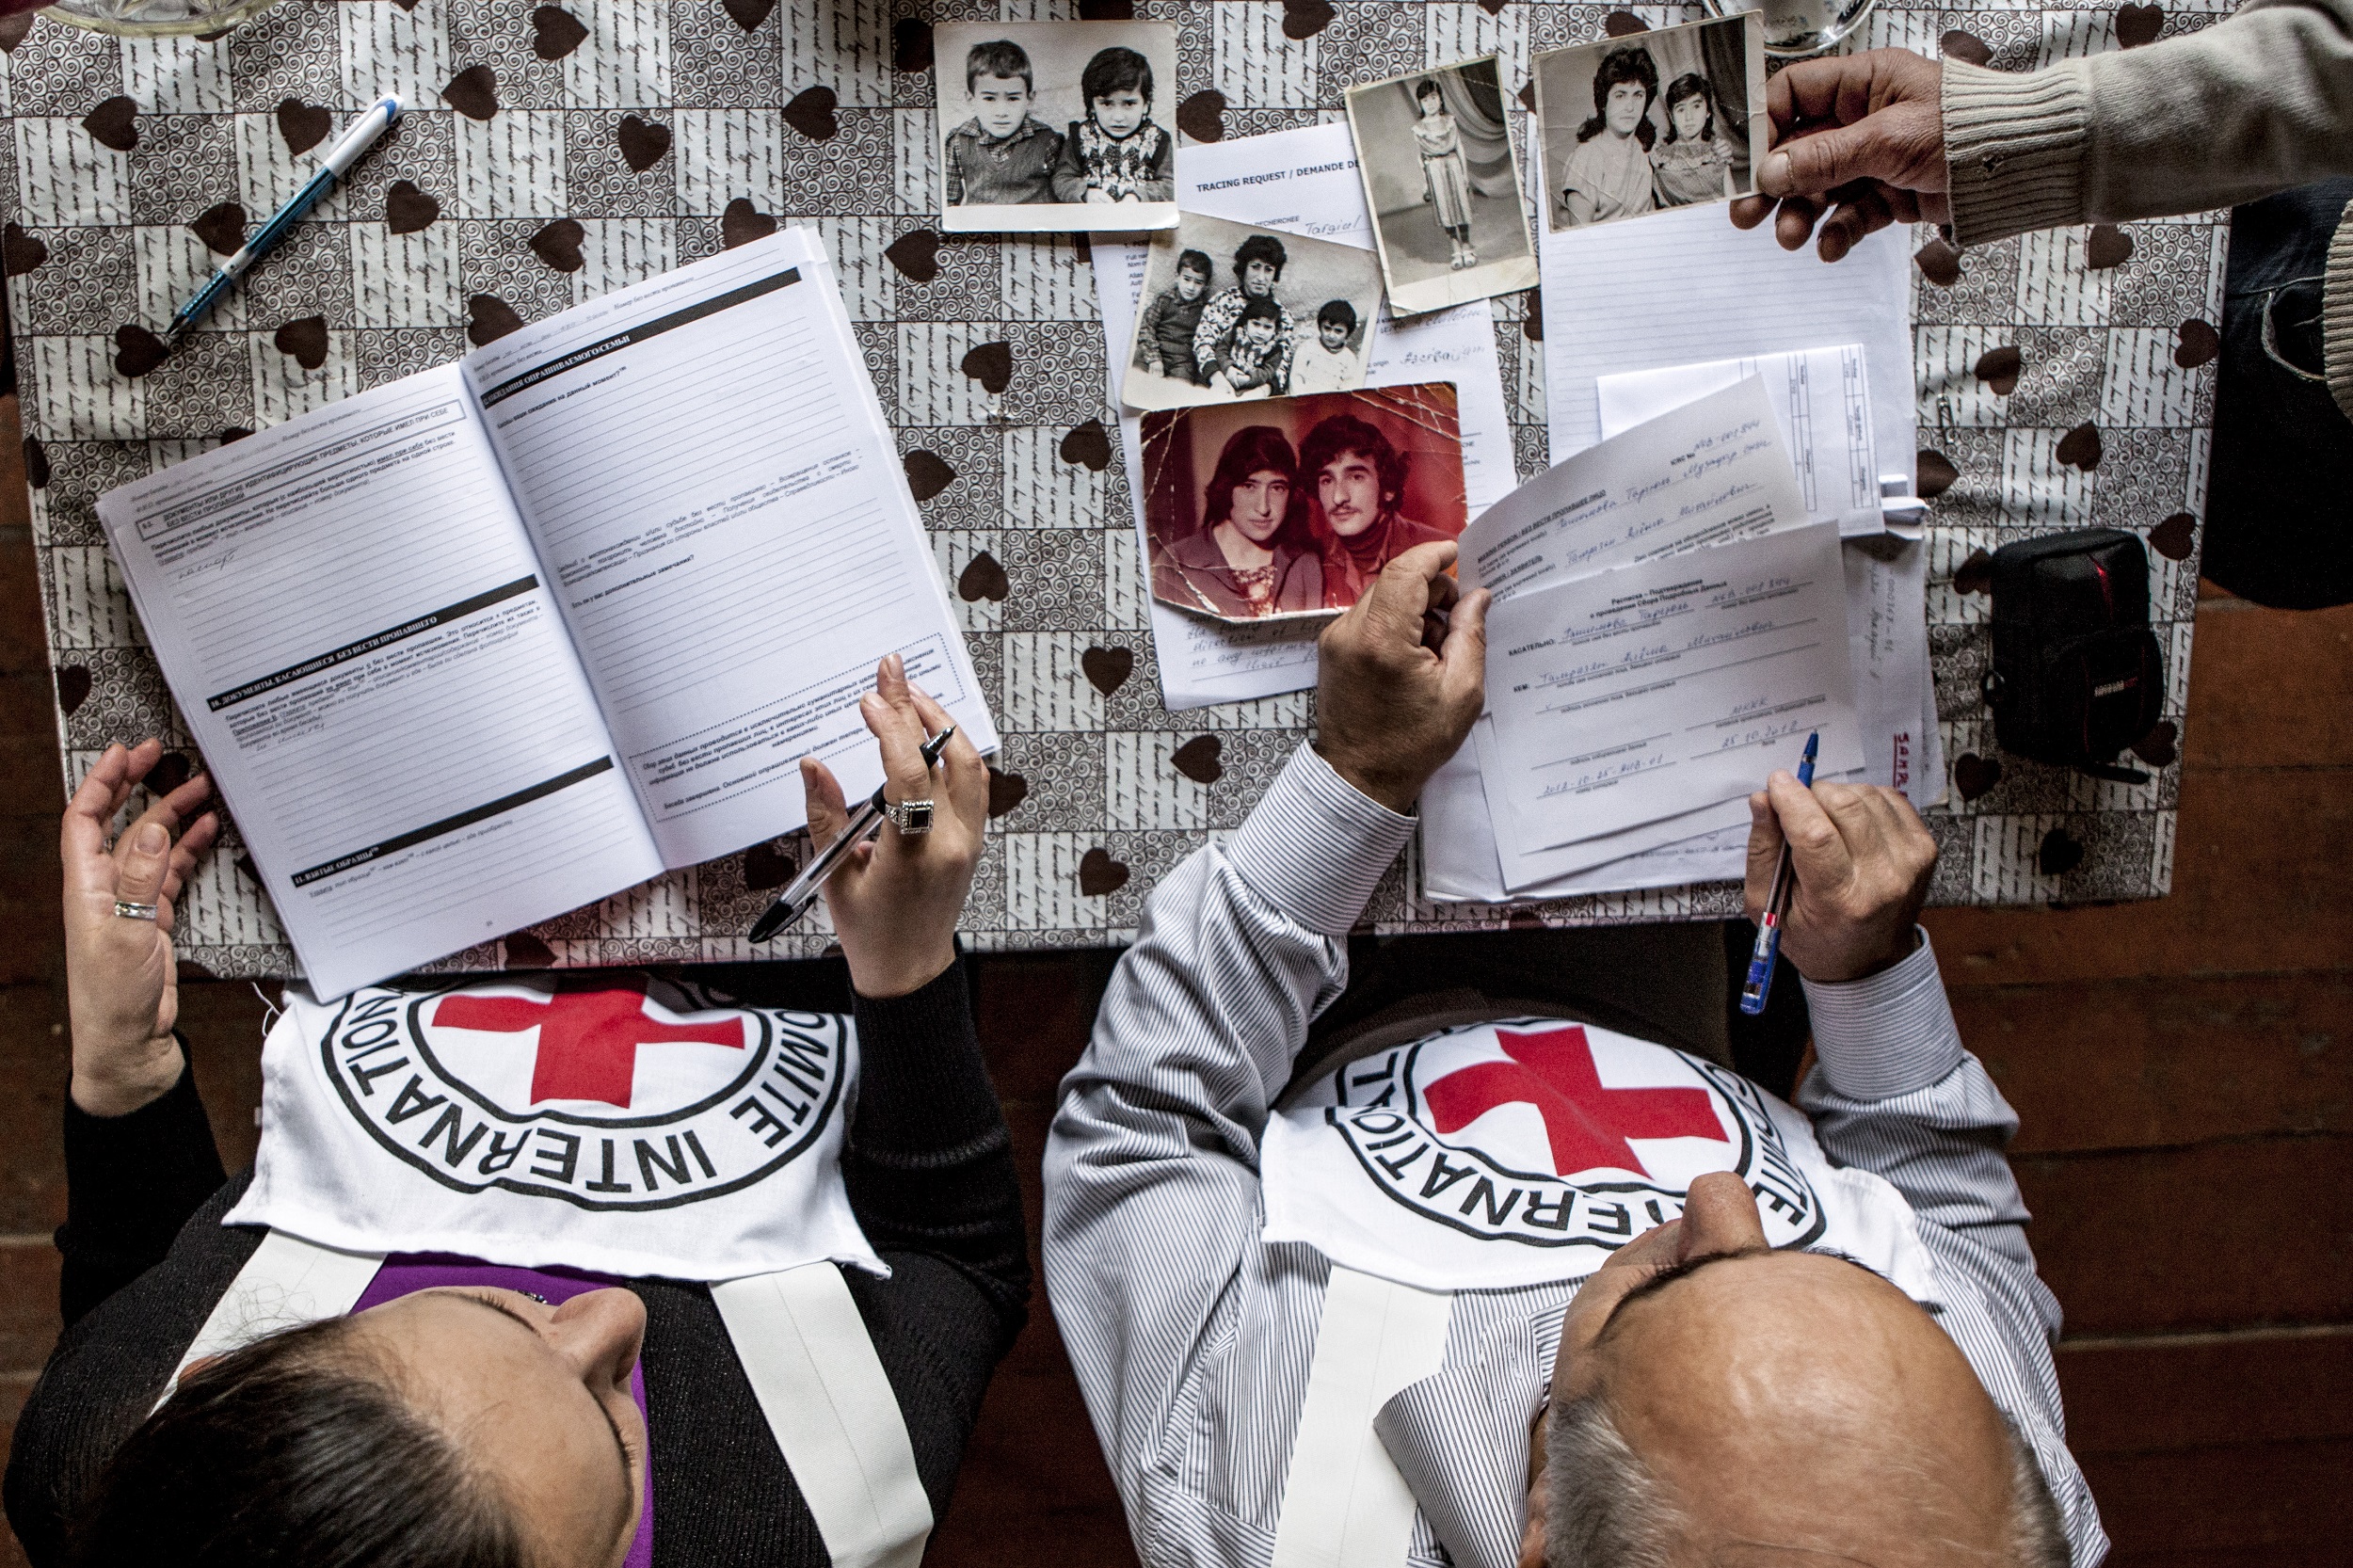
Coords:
pixel 499 639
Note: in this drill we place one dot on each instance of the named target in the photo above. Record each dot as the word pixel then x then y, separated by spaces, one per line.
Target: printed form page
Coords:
pixel 722 514
pixel 355 627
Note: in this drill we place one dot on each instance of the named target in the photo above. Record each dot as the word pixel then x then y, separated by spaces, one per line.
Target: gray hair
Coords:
pixel 1606 1510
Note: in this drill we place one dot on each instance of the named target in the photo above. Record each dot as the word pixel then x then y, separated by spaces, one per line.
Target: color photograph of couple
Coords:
pixel 1293 507
pixel 1234 312
pixel 1635 125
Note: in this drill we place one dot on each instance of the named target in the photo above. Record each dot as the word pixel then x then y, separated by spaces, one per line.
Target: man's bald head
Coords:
pixel 1735 1405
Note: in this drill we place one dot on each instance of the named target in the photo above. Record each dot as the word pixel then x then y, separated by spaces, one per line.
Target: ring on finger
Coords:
pixel 912 818
pixel 130 911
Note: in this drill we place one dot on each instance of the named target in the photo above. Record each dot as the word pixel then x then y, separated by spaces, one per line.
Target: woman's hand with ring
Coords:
pixel 895 902
pixel 122 984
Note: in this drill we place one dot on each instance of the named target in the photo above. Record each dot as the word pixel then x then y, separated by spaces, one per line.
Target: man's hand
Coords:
pixel 1863 133
pixel 895 902
pixel 1401 681
pixel 122 987
pixel 1861 857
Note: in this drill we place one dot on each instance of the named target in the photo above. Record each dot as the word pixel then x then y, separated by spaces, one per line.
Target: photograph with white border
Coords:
pixel 1232 311
pixel 1055 127
pixel 1434 150
pixel 1640 124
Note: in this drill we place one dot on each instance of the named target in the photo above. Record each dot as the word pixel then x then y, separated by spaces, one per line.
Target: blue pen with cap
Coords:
pixel 1760 981
pixel 332 168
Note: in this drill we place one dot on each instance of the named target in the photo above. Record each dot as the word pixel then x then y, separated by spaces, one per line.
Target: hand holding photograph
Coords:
pixel 1443 186
pixel 1232 311
pixel 1634 125
pixel 1042 125
pixel 1290 507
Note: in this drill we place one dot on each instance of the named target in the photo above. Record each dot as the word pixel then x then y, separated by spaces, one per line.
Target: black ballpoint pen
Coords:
pixel 864 823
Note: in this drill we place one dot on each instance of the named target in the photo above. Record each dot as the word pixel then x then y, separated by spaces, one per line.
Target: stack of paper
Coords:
pixel 1674 617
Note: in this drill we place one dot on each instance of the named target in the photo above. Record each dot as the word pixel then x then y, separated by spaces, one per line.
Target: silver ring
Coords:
pixel 135 911
pixel 911 817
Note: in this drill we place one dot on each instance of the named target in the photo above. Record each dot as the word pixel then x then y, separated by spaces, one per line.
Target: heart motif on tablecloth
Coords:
pixel 1006 791
pixel 765 865
pixel 555 32
pixel 1973 774
pixel 928 473
pixel 1199 760
pixel 20 251
pixel 526 951
pixel 1089 446
pixel 304 341
pixel 991 366
pixel 221 228
pixel 473 92
pixel 491 318
pixel 2197 343
pixel 2159 747
pixel 911 45
pixel 408 210
pixel 1622 24
pixel 73 684
pixel 2058 853
pixel 1305 18
pixel 916 255
pixel 558 245
pixel 1998 369
pixel 642 142
pixel 1106 669
pixel 2107 246
pixel 1939 263
pixel 2080 447
pixel 2175 537
pixel 984 577
pixel 811 113
pixel 1965 47
pixel 114 124
pixel 748 14
pixel 1202 117
pixel 303 125
pixel 2138 24
pixel 136 350
pixel 743 223
pixel 1100 875
pixel 1974 575
pixel 1935 471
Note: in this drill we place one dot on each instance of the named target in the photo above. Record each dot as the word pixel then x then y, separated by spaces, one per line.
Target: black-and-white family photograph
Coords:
pixel 1667 119
pixel 1291 507
pixel 1230 311
pixel 1056 126
pixel 1443 186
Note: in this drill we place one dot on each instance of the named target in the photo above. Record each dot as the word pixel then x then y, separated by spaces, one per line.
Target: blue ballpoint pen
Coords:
pixel 1760 980
pixel 332 168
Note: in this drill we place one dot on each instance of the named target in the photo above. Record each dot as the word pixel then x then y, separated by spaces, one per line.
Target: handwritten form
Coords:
pixel 1301 181
pixel 1686 287
pixel 1821 397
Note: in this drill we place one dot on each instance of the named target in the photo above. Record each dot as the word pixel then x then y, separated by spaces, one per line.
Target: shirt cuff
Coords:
pixel 1316 846
pixel 2014 147
pixel 1888 1033
pixel 2336 313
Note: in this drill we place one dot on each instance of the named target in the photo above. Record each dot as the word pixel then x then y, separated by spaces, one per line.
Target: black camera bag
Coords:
pixel 2078 674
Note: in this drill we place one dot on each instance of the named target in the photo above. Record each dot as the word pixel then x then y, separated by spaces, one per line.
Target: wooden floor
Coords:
pixel 2184 1068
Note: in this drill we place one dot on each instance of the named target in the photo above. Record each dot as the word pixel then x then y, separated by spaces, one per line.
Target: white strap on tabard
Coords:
pixel 812 1367
pixel 286 1282
pixel 1344 1504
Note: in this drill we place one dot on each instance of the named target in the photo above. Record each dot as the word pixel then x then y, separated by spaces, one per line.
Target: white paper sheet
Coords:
pixel 1669 685
pixel 1299 182
pixel 1711 471
pixel 1822 398
pixel 1683 287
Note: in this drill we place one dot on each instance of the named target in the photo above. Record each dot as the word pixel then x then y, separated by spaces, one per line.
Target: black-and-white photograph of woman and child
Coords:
pixel 1667 119
pixel 1443 186
pixel 1293 507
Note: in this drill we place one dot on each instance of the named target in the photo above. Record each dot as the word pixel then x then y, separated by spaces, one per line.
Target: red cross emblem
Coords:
pixel 1587 1122
pixel 588 1040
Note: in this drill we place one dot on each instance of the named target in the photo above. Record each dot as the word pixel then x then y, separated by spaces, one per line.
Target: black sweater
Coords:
pixel 929 1169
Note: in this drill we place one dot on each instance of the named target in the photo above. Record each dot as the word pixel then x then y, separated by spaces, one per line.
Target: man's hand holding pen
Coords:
pixel 895 901
pixel 1861 858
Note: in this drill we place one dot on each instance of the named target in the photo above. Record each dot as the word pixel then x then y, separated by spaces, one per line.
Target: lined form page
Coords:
pixel 704 466
pixel 358 634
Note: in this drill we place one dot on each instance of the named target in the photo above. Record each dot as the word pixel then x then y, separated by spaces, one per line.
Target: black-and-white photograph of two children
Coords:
pixel 1638 124
pixel 1231 312
pixel 1056 126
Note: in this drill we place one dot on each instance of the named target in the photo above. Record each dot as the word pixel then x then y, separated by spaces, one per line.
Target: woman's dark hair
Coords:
pixel 1691 84
pixel 290 1454
pixel 1199 262
pixel 1254 449
pixel 1260 248
pixel 1335 438
pixel 1629 62
pixel 1113 70
pixel 1428 87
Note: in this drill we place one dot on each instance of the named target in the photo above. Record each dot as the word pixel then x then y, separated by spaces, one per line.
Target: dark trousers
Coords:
pixel 2279 493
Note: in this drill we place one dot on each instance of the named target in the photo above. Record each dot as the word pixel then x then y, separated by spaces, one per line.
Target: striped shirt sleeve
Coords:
pixel 1152 1166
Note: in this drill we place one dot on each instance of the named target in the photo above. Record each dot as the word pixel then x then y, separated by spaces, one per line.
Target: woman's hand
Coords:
pixel 895 902
pixel 122 986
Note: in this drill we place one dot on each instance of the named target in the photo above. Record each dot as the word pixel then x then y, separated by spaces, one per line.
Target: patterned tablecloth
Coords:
pixel 557 150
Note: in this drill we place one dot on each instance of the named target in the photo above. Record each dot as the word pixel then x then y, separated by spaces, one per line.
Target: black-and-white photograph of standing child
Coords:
pixel 1231 312
pixel 1056 126
pixel 1443 186
pixel 1667 119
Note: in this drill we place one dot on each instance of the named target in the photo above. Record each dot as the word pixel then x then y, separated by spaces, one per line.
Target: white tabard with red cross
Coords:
pixel 631 1127
pixel 1497 1155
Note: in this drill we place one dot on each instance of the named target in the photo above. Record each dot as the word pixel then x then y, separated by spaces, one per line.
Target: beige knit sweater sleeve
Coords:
pixel 2255 103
